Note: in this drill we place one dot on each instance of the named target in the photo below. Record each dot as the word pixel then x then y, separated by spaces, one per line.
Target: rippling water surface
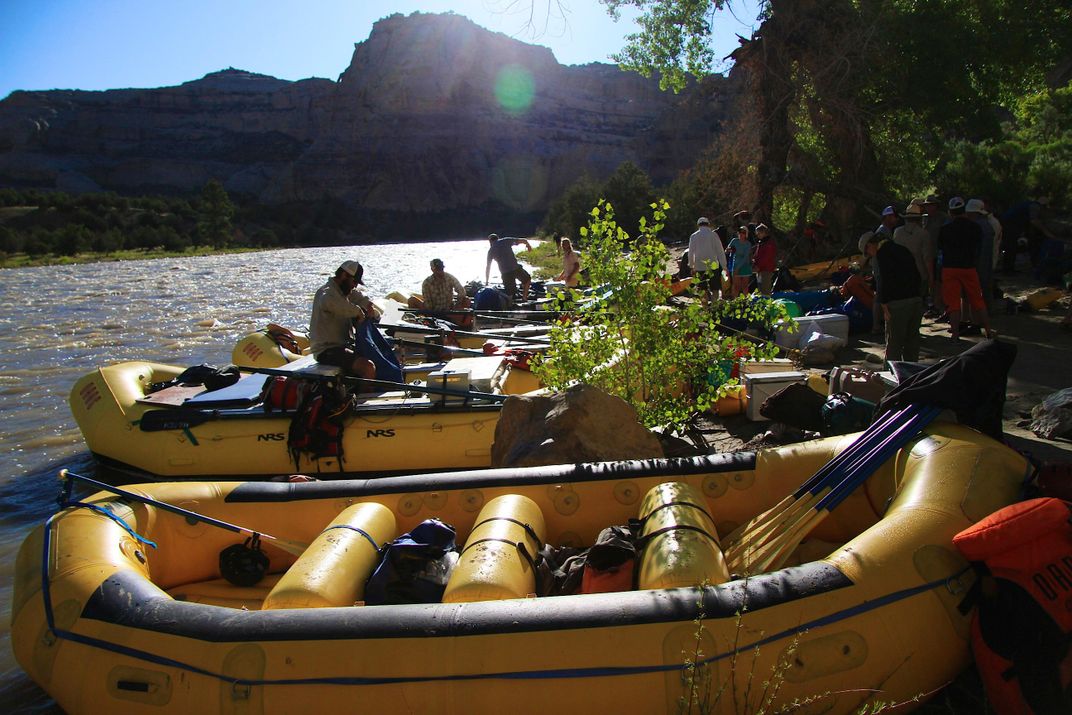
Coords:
pixel 59 322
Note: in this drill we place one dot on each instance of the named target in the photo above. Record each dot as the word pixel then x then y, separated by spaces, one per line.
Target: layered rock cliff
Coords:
pixel 434 116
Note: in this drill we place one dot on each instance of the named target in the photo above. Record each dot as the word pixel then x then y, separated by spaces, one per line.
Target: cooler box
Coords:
pixel 831 324
pixel 758 388
pixel 447 379
pixel 481 370
pixel 759 367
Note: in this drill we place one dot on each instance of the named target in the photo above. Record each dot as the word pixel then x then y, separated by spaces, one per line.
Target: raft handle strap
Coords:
pixel 667 505
pixel 368 538
pixel 528 529
pixel 643 541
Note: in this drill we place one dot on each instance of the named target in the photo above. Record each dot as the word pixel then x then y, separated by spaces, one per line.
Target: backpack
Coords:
pixel 1021 630
pixel 317 426
pixel 415 567
pixel 282 393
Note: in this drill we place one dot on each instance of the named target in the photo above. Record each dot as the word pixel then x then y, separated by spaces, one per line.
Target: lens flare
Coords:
pixel 519 182
pixel 514 88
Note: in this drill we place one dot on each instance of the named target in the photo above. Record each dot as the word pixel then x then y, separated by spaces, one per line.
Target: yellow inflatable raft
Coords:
pixel 819 269
pixel 875 607
pixel 229 434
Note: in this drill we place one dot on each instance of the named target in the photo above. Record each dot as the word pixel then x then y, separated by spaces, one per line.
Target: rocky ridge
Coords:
pixel 434 117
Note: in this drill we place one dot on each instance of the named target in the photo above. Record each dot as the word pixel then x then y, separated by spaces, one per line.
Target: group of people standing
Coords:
pixel 927 254
pixel 750 252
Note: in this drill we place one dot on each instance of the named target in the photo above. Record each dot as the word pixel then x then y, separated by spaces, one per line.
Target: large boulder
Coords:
pixel 581 424
pixel 1052 418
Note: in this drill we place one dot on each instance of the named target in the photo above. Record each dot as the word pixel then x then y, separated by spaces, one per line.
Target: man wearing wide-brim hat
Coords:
pixel 914 237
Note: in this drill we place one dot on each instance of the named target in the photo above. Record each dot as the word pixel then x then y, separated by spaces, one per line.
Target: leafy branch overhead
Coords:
pixel 850 104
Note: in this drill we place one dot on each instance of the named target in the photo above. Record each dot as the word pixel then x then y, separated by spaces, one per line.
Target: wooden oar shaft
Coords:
pixel 471 394
pixel 876 431
pixel 463 333
pixel 772 548
pixel 418 344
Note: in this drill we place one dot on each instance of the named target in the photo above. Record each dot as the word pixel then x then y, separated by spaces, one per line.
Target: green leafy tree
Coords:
pixel 216 211
pixel 1034 157
pixel 630 192
pixel 668 362
pixel 854 104
pixel 570 211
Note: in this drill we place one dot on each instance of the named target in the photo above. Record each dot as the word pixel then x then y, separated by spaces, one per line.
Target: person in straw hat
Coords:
pixel 914 237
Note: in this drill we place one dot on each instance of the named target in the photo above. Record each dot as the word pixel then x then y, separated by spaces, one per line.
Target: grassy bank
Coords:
pixel 22 260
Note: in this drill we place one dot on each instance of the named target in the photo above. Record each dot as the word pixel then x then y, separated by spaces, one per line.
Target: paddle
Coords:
pixel 467 395
pixel 293 547
pixel 770 553
pixel 816 482
pixel 419 344
pixel 463 333
pixel 744 553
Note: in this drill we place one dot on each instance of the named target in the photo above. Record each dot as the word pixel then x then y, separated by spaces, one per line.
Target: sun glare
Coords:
pixel 514 88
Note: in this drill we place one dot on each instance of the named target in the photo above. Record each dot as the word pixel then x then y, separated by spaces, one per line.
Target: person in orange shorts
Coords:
pixel 959 242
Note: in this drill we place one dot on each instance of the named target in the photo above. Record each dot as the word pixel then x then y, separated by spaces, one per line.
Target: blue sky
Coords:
pixel 107 44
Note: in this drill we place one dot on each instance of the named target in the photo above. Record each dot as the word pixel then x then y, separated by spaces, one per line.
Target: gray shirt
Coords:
pixel 502 252
pixel 915 238
pixel 330 325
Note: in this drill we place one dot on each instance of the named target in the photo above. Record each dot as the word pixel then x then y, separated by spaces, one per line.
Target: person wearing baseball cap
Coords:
pixel 337 307
pixel 444 294
pixel 959 244
pixel 707 258
pixel 897 294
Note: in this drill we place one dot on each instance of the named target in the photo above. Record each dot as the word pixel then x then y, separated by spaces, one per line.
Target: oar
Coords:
pixel 743 553
pixel 772 554
pixel 293 547
pixel 814 483
pixel 469 395
pixel 464 333
pixel 419 344
pixel 877 449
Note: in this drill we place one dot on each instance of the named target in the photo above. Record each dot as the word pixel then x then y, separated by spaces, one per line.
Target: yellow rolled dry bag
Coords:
pixel 497 561
pixel 335 567
pixel 680 543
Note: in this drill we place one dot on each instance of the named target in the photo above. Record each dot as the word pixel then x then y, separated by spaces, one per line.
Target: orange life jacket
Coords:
pixel 1021 631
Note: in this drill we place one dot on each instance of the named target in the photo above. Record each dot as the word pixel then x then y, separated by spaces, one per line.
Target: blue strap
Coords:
pixel 354 528
pixel 111 515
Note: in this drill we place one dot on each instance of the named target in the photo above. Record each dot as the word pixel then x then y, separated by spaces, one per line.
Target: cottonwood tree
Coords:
pixel 854 102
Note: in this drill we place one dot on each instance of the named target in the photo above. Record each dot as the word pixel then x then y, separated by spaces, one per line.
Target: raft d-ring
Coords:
pixel 954 585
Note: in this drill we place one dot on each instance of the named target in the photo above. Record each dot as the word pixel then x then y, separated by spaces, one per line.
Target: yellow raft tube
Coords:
pixel 391 432
pixel 882 618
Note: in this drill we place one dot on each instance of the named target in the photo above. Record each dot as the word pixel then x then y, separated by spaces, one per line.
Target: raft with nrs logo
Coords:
pixel 406 430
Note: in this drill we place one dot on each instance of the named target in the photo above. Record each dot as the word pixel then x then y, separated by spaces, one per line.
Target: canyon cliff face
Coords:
pixel 434 117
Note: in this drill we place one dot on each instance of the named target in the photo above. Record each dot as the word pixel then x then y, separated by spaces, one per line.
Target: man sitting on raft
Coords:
pixel 337 307
pixel 443 294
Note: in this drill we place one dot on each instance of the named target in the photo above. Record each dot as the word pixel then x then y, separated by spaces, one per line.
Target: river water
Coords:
pixel 59 322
